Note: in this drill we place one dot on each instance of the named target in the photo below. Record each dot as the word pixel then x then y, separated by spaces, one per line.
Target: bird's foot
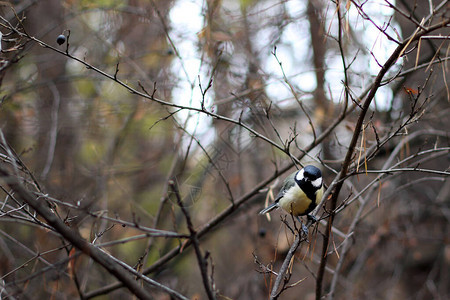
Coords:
pixel 305 229
pixel 313 219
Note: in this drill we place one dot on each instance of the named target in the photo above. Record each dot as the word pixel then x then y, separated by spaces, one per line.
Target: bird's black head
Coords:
pixel 311 172
pixel 309 176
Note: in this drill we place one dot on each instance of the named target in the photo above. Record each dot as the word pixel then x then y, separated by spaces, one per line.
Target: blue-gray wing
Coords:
pixel 287 184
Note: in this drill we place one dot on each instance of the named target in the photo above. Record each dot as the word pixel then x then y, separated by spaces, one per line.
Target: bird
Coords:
pixel 300 193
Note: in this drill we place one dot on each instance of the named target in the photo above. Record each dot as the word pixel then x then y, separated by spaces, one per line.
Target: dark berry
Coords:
pixel 61 39
pixel 262 232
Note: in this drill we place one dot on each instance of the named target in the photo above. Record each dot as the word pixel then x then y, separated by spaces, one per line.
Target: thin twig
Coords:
pixel 203 265
pixel 281 277
pixel 73 236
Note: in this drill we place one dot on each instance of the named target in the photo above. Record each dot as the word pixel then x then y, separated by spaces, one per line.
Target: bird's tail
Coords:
pixel 269 208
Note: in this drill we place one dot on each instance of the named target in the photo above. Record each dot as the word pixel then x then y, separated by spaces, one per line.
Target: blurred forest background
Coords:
pixel 159 129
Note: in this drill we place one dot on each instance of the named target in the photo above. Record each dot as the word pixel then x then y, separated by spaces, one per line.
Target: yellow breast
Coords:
pixel 295 201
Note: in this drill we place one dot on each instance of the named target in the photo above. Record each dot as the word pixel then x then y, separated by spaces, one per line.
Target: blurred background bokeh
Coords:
pixel 275 66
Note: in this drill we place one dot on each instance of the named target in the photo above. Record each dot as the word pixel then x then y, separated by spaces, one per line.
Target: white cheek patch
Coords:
pixel 317 183
pixel 299 175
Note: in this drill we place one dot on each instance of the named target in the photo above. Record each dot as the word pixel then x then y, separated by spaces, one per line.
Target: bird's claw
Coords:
pixel 311 218
pixel 305 229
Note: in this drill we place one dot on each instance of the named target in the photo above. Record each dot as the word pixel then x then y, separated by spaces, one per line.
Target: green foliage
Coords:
pixel 247 3
pixel 86 89
pixel 92 152
pixel 102 3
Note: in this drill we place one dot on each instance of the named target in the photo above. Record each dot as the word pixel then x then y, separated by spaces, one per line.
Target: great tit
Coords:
pixel 300 194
